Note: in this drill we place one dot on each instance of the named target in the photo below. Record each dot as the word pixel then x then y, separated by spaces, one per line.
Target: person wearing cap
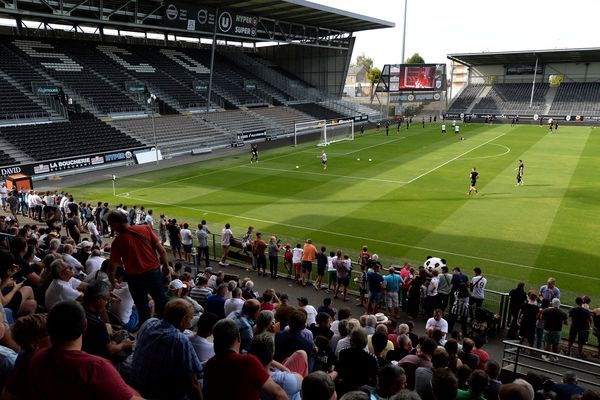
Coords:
pixel 79 374
pixel 311 312
pixel 138 249
pixel 553 318
pixel 175 289
pixel 165 364
pixel 98 338
pixel 309 254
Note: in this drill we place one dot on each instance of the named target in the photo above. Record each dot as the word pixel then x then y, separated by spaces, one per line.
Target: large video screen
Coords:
pixel 417 77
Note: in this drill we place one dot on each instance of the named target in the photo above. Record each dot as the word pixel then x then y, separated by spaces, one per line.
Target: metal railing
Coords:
pixel 519 359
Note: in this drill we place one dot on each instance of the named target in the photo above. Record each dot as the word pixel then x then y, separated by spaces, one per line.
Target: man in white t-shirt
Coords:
pixel 235 303
pixel 125 307
pixel 63 286
pixel 150 219
pixel 437 322
pixel 443 129
pixel 94 262
pixel 311 312
pixel 186 241
pixel 478 283
pixel 297 253
pixel 226 236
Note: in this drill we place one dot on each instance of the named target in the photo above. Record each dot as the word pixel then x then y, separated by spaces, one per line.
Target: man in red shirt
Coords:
pixel 483 355
pixel 239 376
pixel 63 371
pixel 138 249
pixel 308 256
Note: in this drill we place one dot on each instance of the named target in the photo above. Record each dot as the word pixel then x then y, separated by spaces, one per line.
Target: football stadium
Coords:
pixel 195 187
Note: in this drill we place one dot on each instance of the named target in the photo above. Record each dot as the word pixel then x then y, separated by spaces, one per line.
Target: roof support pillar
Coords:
pixel 533 86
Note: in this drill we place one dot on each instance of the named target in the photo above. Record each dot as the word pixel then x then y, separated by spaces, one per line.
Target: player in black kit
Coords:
pixel 254 151
pixel 474 175
pixel 520 169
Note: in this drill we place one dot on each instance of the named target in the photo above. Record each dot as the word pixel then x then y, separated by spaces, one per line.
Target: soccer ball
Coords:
pixel 297 166
pixel 370 159
pixel 432 263
pixel 358 159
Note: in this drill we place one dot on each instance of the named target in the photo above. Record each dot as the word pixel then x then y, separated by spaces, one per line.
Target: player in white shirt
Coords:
pixel 478 283
pixel 443 129
pixel 324 160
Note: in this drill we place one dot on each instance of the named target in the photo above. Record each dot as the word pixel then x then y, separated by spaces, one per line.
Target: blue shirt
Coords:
pixel 245 325
pixel 374 279
pixel 164 361
pixel 216 305
pixel 392 282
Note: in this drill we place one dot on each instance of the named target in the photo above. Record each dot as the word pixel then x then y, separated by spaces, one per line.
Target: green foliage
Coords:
pixel 415 59
pixel 489 80
pixel 556 80
pixel 365 62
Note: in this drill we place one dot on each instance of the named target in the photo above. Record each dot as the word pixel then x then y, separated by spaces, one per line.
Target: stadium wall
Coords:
pixel 573 72
pixel 325 69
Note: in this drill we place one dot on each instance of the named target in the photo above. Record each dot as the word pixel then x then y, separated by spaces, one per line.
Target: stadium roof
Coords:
pixel 302 12
pixel 528 56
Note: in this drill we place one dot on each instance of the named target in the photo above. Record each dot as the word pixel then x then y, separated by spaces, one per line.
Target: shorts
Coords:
pixel 297 267
pixel 345 282
pixel 163 236
pixel 376 297
pixel 332 276
pixel 473 183
pixel 391 300
pixel 306 266
pixel 581 336
pixel 320 271
pixel 187 248
pixel 261 261
pixel 175 245
pixel 552 337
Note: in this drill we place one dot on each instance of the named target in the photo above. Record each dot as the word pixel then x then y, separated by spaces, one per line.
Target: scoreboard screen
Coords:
pixel 417 77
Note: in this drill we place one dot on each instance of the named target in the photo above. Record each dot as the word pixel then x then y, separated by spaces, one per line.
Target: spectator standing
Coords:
pixel 444 287
pixel 553 319
pixel 581 320
pixel 273 250
pixel 161 342
pixel 162 229
pixel 309 253
pixel 517 297
pixel 138 249
pixel 187 240
pixel 258 249
pixel 175 239
pixel 375 283
pixel 226 237
pixel 342 275
pixel 203 252
pixel 477 288
pixel 460 309
pixel 431 301
pixel 321 265
pixel 550 291
pixel 251 377
pixel 528 315
pixel 392 283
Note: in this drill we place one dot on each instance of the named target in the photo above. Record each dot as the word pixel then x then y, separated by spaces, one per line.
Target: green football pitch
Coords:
pixel 405 197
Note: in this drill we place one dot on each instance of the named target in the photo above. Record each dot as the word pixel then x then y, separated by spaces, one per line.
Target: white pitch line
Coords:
pixel 324 174
pixel 494 156
pixel 362 238
pixel 453 159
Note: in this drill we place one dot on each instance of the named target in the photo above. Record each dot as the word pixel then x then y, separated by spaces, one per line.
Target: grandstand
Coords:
pixel 562 84
pixel 201 93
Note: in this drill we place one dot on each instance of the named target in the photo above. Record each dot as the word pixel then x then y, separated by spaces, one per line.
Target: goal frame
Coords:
pixel 323 126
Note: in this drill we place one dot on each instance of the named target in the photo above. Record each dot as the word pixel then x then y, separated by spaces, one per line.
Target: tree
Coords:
pixel 373 76
pixel 415 59
pixel 365 62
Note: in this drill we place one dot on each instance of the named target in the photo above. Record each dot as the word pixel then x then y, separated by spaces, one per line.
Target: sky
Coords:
pixel 436 28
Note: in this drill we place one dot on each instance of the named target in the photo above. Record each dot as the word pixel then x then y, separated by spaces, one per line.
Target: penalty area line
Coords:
pixel 362 238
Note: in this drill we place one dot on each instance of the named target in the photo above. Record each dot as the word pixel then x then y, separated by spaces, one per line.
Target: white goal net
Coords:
pixel 330 131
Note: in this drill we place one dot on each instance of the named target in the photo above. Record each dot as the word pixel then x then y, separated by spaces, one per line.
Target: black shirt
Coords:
pixel 580 318
pixel 72 229
pixel 474 175
pixel 318 331
pixel 95 337
pixel 553 319
pixel 174 232
pixel 353 376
